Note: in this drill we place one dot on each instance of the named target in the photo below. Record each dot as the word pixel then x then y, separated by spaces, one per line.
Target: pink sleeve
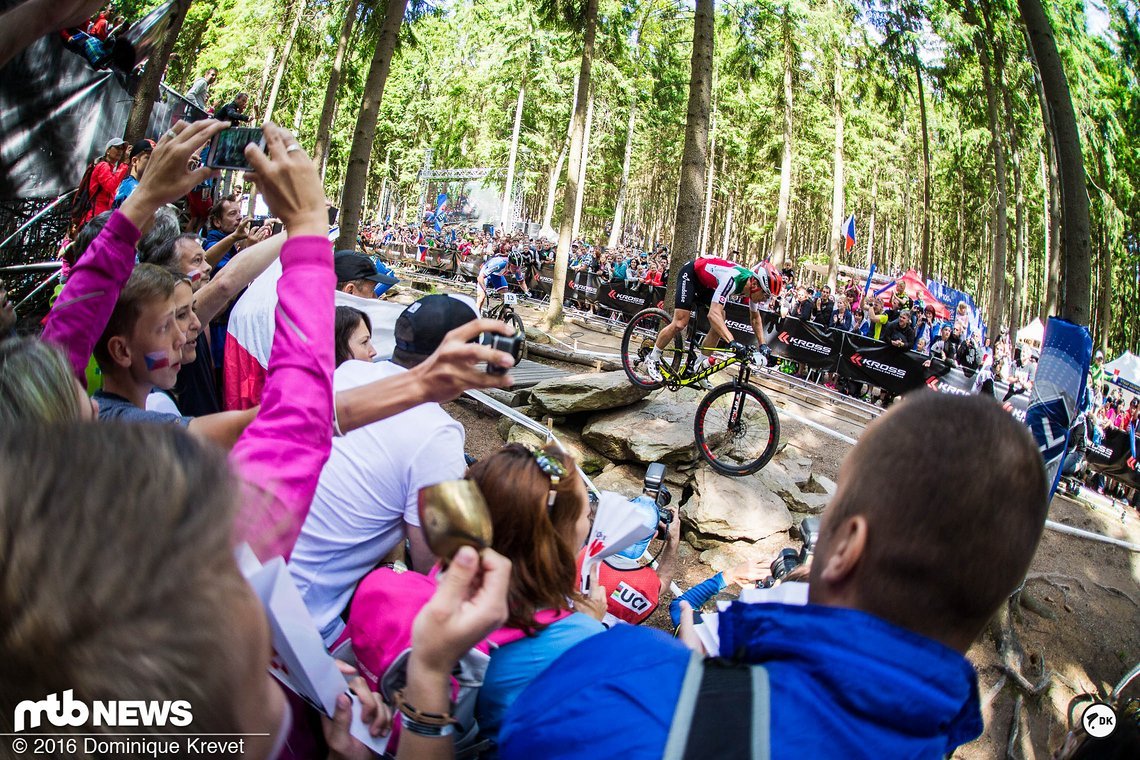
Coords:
pixel 84 306
pixel 280 455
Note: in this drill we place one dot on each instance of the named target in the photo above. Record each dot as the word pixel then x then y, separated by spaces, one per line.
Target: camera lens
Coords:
pixel 511 344
pixel 786 561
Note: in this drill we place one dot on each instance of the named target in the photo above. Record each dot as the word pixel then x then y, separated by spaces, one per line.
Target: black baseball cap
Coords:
pixel 420 328
pixel 350 265
pixel 142 146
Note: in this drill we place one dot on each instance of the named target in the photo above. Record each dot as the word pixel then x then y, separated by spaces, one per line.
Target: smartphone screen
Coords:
pixel 227 149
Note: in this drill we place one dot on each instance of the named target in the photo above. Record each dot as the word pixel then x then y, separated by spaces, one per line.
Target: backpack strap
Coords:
pixel 723 711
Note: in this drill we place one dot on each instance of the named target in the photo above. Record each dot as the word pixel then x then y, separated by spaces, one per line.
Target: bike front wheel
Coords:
pixel 636 343
pixel 515 321
pixel 737 429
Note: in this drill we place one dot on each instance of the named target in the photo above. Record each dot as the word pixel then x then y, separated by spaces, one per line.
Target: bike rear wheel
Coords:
pixel 638 340
pixel 737 429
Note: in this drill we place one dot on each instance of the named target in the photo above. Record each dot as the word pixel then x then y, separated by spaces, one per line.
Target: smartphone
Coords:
pixel 277 227
pixel 227 149
pixel 255 223
pixel 333 213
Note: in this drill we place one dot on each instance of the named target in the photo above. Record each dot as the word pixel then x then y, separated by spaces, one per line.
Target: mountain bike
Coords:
pixel 504 310
pixel 736 425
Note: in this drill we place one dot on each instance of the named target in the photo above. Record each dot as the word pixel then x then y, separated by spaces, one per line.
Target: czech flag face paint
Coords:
pixel 157 360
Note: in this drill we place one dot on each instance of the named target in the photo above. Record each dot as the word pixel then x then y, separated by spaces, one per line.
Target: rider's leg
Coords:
pixel 679 324
pixel 480 295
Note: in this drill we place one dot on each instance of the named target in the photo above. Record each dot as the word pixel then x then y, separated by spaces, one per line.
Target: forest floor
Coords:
pixel 1088 636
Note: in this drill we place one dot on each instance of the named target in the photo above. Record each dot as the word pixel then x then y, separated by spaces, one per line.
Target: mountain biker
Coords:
pixel 712 281
pixel 493 276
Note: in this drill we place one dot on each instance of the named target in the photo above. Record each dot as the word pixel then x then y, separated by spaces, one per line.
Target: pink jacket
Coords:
pixel 280 455
pixel 85 304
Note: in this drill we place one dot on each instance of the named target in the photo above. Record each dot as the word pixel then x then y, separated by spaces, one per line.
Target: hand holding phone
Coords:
pixel 227 149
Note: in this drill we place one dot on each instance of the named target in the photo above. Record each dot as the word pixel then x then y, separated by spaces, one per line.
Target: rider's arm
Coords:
pixel 757 322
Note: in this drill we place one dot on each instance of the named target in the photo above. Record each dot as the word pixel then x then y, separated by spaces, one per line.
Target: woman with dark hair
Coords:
pixel 353 335
pixel 540 517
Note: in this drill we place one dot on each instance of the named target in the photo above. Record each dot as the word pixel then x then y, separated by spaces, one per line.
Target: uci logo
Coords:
pixel 630 598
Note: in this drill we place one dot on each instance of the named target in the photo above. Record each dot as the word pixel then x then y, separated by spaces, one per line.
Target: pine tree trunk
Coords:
pixel 147 91
pixel 552 186
pixel 580 197
pixel 695 158
pixel 623 188
pixel 512 157
pixel 727 231
pixel 328 108
pixel 871 225
pixel 295 27
pixel 1105 290
pixel 360 154
pixel 924 260
pixel 835 246
pixel 780 244
pixel 706 213
pixel 1001 222
pixel 574 170
pixel 1076 262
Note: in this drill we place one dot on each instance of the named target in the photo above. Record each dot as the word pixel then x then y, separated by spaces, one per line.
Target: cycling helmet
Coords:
pixel 515 259
pixel 769 278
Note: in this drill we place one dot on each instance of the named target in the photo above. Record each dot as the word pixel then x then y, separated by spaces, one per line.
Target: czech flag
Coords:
pixel 849 231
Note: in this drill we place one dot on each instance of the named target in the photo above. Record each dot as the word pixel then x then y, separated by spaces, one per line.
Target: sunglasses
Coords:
pixel 552 468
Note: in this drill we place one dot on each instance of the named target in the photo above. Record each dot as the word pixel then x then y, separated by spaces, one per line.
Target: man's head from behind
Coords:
pixel 159 610
pixel 940 554
pixel 422 326
pixel 357 275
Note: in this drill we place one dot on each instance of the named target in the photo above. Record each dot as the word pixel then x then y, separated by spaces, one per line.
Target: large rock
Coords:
pixel 724 556
pixel 586 393
pixel 659 429
pixel 736 508
pixel 622 479
pixel 589 460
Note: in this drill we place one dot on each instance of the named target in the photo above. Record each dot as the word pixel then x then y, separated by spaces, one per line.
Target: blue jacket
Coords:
pixel 844 684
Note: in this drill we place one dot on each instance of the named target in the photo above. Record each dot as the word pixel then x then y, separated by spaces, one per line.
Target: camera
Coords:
pixel 654 487
pixel 789 559
pixel 511 344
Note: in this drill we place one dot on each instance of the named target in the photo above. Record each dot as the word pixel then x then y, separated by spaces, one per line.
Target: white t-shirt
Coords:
pixel 367 490
pixel 157 401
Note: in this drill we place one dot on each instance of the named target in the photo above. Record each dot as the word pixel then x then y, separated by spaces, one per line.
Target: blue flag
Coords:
pixel 1058 392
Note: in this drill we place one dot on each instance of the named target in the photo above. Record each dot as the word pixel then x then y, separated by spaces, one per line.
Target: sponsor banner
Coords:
pixel 1113 457
pixel 804 342
pixel 582 286
pixel 944 378
pixel 870 361
pixel 629 299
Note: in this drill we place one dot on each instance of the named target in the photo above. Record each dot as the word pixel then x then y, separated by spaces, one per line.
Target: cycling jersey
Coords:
pixel 494 265
pixel 724 279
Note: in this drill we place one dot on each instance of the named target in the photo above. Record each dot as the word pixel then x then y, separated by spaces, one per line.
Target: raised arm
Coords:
pixel 86 303
pixel 236 276
pixel 281 454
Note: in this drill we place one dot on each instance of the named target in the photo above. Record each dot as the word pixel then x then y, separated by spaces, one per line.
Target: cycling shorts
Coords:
pixel 494 282
pixel 689 289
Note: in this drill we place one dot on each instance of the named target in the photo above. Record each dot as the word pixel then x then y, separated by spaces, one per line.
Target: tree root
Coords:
pixel 1065 583
pixel 1012 745
pixel 1036 606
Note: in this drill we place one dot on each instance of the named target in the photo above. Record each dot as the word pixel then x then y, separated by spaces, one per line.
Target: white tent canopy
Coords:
pixel 1125 367
pixel 1034 332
